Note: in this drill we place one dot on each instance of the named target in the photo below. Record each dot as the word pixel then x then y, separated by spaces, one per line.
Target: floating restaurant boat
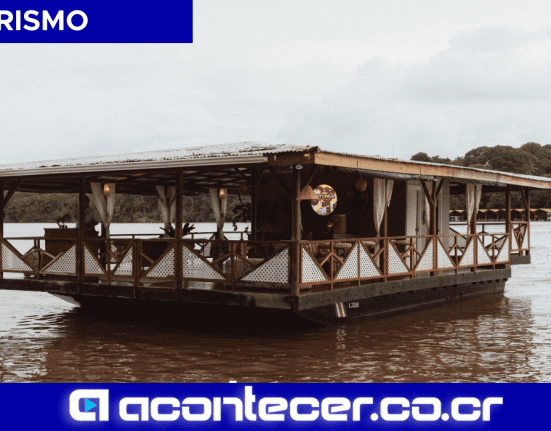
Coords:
pixel 333 236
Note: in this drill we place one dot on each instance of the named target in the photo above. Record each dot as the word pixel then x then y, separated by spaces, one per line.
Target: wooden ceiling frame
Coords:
pixel 196 178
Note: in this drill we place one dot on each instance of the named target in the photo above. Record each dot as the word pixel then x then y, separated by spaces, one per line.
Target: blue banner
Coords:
pixel 275 406
pixel 98 21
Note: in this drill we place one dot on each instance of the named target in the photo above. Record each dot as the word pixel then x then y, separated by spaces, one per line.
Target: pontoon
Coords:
pixel 332 236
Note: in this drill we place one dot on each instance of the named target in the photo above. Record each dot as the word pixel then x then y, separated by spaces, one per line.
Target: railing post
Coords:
pixel 508 219
pixel 107 240
pixel 1 224
pixel 331 263
pixel 232 265
pixel 527 200
pixel 136 260
pixel 39 256
pixel 178 232
pixel 80 234
pixel 411 259
pixel 475 252
pixel 295 236
pixel 359 244
pixel 385 259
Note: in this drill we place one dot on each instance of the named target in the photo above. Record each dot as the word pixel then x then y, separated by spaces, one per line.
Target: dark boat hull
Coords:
pixel 337 312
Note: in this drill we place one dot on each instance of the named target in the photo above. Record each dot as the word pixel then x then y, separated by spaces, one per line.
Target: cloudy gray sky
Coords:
pixel 382 77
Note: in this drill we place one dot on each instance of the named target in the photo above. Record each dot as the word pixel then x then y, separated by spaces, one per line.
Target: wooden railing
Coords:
pixel 521 238
pixel 354 262
pixel 243 264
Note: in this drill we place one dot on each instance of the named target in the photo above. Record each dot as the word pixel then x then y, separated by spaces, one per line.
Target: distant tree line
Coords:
pixel 49 207
pixel 530 159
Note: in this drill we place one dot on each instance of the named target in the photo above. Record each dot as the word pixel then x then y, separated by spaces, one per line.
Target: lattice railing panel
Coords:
pixel 483 258
pixel 468 255
pixel 274 270
pixel 503 255
pixel 426 262
pixel 519 233
pixel 195 267
pixel 65 263
pixel 125 266
pixel 350 267
pixel 11 261
pixel 442 258
pixel 164 267
pixel 367 266
pixel 240 266
pixel 91 266
pixel 310 271
pixel 395 264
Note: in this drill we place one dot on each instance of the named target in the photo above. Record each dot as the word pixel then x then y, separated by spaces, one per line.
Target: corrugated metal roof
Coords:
pixel 210 155
pixel 244 149
pixel 415 162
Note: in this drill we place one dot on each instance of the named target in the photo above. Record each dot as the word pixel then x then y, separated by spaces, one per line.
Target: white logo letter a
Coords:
pixel 74 401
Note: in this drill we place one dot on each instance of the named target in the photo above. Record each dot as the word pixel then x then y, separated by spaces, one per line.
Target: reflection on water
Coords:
pixel 491 339
pixel 484 339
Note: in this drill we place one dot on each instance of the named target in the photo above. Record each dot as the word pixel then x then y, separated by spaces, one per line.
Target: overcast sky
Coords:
pixel 380 77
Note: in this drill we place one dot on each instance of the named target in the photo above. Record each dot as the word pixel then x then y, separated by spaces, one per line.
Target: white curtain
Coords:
pixel 105 206
pixel 427 213
pixel 219 207
pixel 474 192
pixel 382 193
pixel 171 198
pixel 166 203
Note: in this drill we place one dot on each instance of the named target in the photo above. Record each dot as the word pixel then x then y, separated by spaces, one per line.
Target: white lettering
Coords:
pixel 331 406
pixel 217 409
pixel 238 407
pixel 144 409
pixel 198 401
pixel 6 21
pixel 70 20
pixel 486 407
pixel 436 409
pixel 268 406
pixel 394 416
pixel 467 401
pixel 31 20
pixel 356 407
pixel 312 416
pixel 174 415
pixel 249 401
pixel 46 18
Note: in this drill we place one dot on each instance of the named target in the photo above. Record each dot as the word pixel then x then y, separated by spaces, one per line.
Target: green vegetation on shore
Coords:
pixel 530 159
pixel 48 207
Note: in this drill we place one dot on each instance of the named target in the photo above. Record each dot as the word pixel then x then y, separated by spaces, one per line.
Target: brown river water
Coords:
pixel 491 339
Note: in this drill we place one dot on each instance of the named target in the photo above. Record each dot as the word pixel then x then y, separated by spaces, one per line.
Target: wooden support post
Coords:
pixel 136 263
pixel 10 194
pixel 434 226
pixel 385 240
pixel 105 247
pixel 432 196
pixel 178 231
pixel 1 223
pixel 526 197
pixel 508 218
pixel 295 235
pixel 475 238
pixel 256 174
pixel 80 233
